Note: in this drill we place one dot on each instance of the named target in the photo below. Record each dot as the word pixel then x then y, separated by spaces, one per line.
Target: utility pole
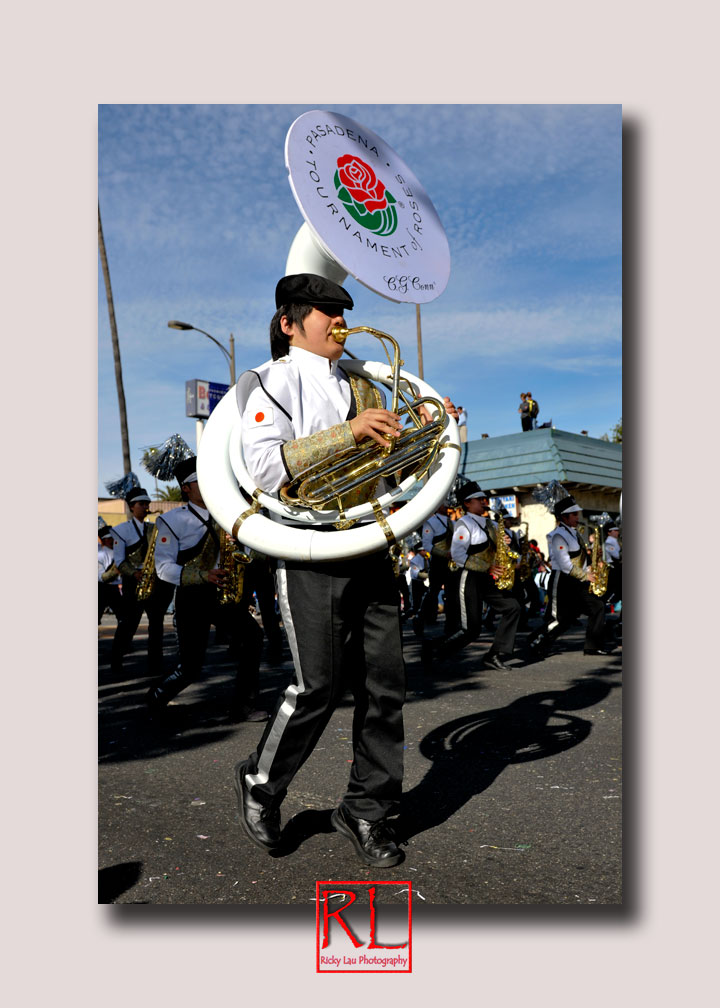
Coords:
pixel 116 352
pixel 419 342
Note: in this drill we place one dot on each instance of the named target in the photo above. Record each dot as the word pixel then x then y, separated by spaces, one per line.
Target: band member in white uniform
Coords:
pixel 187 556
pixel 613 558
pixel 109 596
pixel 437 533
pixel 569 592
pixel 473 550
pixel 341 617
pixel 130 545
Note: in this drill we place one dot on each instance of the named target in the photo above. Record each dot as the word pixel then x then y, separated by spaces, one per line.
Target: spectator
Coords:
pixel 524 411
pixel 533 408
pixel 462 424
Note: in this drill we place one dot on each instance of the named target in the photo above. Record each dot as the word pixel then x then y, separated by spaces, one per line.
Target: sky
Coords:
pixel 198 217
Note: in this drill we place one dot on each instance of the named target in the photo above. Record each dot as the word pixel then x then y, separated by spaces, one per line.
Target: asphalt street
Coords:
pixel 512 791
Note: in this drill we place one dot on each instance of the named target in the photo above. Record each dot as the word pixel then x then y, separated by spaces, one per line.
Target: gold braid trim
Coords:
pixel 483 561
pixel 305 452
pixel 195 571
pixel 578 571
pixel 110 574
pixel 323 445
pixel 128 568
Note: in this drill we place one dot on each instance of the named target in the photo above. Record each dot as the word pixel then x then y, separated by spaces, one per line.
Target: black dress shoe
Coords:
pixel 260 822
pixel 156 703
pixel 418 626
pixel 495 661
pixel 373 841
pixel 597 651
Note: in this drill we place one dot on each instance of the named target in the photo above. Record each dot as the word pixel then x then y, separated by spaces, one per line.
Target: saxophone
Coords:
pixel 504 557
pixel 233 562
pixel 148 577
pixel 598 567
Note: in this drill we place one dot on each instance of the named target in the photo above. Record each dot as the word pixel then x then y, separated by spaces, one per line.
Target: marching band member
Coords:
pixel 473 550
pixel 613 558
pixel 341 617
pixel 130 546
pixel 417 578
pixel 437 533
pixel 569 587
pixel 187 554
pixel 109 596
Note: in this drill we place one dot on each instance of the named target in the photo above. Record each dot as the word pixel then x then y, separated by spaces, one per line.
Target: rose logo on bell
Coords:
pixel 365 196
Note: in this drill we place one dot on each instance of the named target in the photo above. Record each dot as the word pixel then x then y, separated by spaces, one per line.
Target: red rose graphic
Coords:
pixel 361 182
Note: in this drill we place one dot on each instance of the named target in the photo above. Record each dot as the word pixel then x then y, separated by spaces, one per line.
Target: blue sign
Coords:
pixel 216 390
pixel 201 397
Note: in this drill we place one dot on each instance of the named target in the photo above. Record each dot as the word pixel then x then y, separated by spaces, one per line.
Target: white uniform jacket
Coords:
pixel 281 401
pixel 435 528
pixel 612 550
pixel 470 530
pixel 416 565
pixel 126 536
pixel 179 529
pixel 105 562
pixel 562 542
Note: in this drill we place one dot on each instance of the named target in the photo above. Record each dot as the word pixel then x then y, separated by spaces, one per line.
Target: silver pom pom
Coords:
pixel 453 498
pixel 122 487
pixel 551 494
pixel 160 460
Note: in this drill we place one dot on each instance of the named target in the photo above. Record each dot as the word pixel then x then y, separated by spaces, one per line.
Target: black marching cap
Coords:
pixel 137 494
pixel 184 469
pixel 309 288
pixel 105 532
pixel 470 489
pixel 566 504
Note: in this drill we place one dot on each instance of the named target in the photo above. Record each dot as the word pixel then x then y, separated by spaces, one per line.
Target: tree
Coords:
pixel 616 433
pixel 169 493
pixel 125 437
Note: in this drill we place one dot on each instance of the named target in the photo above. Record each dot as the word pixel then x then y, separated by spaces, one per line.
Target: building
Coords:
pixel 113 510
pixel 514 465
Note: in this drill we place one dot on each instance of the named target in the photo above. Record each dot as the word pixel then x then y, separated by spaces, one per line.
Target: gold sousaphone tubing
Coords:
pixel 324 484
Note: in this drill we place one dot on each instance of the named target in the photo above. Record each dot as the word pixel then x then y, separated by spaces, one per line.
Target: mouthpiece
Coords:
pixel 339 334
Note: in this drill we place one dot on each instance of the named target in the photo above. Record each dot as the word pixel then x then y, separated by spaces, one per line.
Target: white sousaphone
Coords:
pixel 310 523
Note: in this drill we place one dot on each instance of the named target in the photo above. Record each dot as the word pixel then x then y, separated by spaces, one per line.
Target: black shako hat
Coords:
pixel 309 288
pixel 468 490
pixel 137 494
pixel 105 532
pixel 566 506
pixel 184 469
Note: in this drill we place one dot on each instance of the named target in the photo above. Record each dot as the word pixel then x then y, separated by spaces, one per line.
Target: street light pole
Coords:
pixel 229 355
pixel 232 359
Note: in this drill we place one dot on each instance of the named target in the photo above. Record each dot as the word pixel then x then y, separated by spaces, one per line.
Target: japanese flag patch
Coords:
pixel 259 418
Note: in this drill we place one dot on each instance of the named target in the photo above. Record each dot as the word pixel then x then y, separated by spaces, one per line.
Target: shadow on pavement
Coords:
pixel 117 879
pixel 468 753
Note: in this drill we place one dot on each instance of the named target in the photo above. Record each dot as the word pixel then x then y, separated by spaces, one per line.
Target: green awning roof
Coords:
pixel 538 456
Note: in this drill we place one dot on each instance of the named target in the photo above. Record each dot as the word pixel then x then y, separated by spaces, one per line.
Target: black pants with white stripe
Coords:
pixel 568 598
pixel 196 609
pixel 155 607
pixel 440 576
pixel 343 627
pixel 474 588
